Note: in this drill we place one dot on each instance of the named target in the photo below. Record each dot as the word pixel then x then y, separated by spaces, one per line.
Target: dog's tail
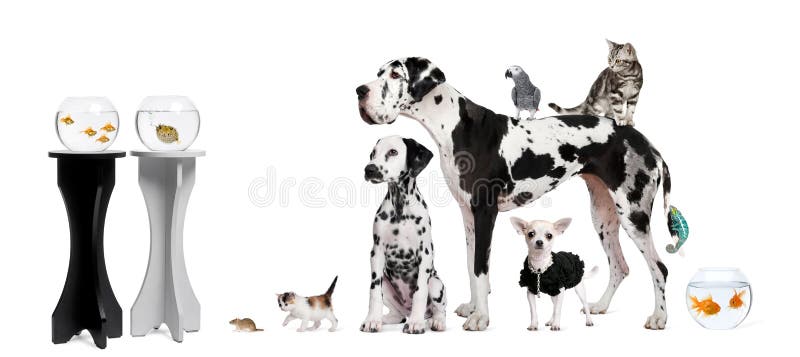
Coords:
pixel 580 109
pixel 333 285
pixel 676 223
pixel 591 273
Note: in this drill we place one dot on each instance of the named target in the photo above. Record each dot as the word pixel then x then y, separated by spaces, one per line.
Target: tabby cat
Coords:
pixel 615 92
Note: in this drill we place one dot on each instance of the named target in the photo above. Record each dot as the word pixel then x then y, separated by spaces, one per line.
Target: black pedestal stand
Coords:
pixel 87 301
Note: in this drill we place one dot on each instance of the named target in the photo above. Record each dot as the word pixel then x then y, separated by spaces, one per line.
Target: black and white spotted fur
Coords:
pixel 496 163
pixel 403 276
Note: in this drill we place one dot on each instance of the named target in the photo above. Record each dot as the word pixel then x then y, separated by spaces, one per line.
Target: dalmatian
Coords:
pixel 495 163
pixel 403 276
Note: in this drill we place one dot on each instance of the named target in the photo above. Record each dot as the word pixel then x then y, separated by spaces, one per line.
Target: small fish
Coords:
pixel 678 228
pixel 67 120
pixel 736 301
pixel 108 128
pixel 103 139
pixel 167 134
pixel 706 307
pixel 89 131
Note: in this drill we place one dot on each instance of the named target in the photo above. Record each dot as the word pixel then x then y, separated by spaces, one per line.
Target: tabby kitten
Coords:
pixel 615 92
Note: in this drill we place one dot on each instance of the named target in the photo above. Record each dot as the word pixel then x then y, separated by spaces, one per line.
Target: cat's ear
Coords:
pixel 611 44
pixel 629 49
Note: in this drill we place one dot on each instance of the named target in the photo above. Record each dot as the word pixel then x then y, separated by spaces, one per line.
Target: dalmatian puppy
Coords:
pixel 403 276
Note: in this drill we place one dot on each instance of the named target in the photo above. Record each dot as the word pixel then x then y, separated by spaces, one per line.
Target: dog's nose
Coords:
pixel 362 91
pixel 372 172
pixel 539 243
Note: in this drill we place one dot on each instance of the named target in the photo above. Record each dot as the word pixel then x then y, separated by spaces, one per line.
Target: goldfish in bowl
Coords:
pixel 719 298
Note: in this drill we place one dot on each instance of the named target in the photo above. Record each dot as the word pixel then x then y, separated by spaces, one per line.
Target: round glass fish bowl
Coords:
pixel 167 123
pixel 719 298
pixel 87 123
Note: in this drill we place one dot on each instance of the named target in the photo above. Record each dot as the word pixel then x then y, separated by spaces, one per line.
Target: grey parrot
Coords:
pixel 525 95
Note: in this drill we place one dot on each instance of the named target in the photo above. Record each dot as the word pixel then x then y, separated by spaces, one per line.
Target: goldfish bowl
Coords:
pixel 87 123
pixel 167 123
pixel 719 298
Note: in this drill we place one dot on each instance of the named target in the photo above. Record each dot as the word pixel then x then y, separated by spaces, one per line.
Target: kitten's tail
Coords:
pixel 333 285
pixel 580 109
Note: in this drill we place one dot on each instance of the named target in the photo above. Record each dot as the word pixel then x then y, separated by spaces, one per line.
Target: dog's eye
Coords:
pixel 392 152
pixel 394 75
pixel 531 234
pixel 548 236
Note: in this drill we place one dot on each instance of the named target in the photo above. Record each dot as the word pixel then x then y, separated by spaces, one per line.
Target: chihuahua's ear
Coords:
pixel 562 224
pixel 519 225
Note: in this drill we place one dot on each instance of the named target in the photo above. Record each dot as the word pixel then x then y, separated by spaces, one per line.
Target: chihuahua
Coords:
pixel 551 273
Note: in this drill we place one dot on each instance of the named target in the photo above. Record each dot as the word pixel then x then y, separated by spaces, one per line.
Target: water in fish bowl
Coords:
pixel 167 123
pixel 719 304
pixel 87 123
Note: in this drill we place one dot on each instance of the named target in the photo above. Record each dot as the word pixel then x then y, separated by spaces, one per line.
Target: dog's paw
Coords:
pixel 533 327
pixel 371 325
pixel 549 322
pixel 656 321
pixel 285 323
pixel 332 329
pixel 555 327
pixel 414 327
pixel 476 322
pixel 466 309
pixel 589 323
pixel 597 308
pixel 438 323
pixel 300 329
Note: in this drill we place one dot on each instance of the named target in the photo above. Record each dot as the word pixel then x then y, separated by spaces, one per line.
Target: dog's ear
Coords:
pixel 519 224
pixel 417 157
pixel 561 225
pixel 423 76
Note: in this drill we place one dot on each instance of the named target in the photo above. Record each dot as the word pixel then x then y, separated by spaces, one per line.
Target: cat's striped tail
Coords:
pixel 333 285
pixel 580 109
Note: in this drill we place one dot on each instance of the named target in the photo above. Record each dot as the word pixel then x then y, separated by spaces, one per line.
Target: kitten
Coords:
pixel 314 308
pixel 615 92
pixel 245 324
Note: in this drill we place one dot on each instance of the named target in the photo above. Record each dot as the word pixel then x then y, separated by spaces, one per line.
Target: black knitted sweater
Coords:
pixel 565 272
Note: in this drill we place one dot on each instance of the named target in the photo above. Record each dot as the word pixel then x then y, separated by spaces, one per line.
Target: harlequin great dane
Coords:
pixel 496 163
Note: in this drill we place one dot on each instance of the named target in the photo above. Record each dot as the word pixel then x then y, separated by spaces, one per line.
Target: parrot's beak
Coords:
pixel 508 73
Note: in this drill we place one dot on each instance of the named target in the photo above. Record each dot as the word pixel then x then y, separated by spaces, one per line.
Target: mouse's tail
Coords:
pixel 259 329
pixel 333 285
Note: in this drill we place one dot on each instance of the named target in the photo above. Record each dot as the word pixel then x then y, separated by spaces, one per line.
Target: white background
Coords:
pixel 275 84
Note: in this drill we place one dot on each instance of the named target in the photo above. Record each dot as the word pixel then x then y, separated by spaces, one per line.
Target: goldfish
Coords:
pixel 67 120
pixel 736 301
pixel 89 131
pixel 103 139
pixel 705 307
pixel 167 134
pixel 108 128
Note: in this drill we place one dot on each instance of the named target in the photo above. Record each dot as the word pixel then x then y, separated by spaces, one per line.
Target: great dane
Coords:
pixel 496 163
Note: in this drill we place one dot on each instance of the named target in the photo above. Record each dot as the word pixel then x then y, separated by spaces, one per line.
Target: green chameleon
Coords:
pixel 678 228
